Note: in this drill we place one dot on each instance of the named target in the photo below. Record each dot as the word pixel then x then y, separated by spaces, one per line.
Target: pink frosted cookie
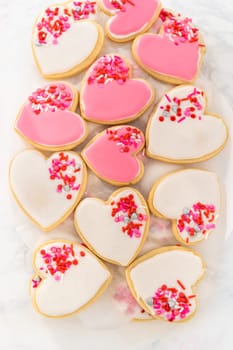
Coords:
pixel 67 278
pixel 163 282
pixel 191 199
pixel 109 95
pixel 59 41
pixel 47 190
pixel 129 17
pixel 112 155
pixel 114 230
pixel 47 119
pixel 173 55
pixel 181 130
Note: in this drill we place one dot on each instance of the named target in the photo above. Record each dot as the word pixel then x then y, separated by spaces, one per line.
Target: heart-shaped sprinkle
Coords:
pixel 112 155
pixel 66 271
pixel 162 282
pixel 109 95
pixel 181 130
pixel 49 190
pixel 115 230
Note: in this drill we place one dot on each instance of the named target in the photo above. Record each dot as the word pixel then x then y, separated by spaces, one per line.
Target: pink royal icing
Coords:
pixel 131 16
pixel 46 120
pixel 109 95
pixel 175 52
pixel 112 154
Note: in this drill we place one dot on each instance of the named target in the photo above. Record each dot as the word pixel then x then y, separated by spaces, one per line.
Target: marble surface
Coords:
pixel 20 326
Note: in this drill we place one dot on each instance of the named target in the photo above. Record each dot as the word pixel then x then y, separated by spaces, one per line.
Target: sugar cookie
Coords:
pixel 191 199
pixel 163 282
pixel 129 17
pixel 114 230
pixel 66 39
pixel 181 130
pixel 68 278
pixel 109 95
pixel 174 55
pixel 47 119
pixel 112 155
pixel 47 190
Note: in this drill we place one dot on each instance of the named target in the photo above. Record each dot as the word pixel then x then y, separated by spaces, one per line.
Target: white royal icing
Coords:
pixel 94 219
pixel 73 48
pixel 188 139
pixel 167 268
pixel 184 188
pixel 36 192
pixel 77 286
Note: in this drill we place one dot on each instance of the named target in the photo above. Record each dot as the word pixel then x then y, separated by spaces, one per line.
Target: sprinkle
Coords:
pixel 120 4
pixel 179 30
pixel 58 259
pixel 36 281
pixel 65 169
pixel 181 285
pixel 125 138
pixel 197 221
pixel 58 20
pixel 181 109
pixel 170 303
pixel 126 212
pixel 109 68
pixel 50 99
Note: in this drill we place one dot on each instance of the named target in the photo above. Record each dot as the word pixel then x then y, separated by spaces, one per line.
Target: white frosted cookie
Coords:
pixel 163 282
pixel 191 199
pixel 66 38
pixel 181 130
pixel 47 189
pixel 67 278
pixel 115 230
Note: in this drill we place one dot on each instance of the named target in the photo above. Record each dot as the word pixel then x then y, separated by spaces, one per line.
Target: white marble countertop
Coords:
pixel 20 326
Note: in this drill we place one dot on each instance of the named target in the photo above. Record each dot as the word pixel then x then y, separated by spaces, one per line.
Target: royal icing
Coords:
pixel 116 229
pixel 130 17
pixel 174 53
pixel 181 130
pixel 112 155
pixel 47 189
pixel 110 96
pixel 69 278
pixel 46 120
pixel 163 282
pixel 191 198
pixel 60 37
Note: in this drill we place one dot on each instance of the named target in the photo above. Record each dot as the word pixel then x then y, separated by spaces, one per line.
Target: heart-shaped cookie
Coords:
pixel 68 278
pixel 182 131
pixel 66 39
pixel 163 282
pixel 110 96
pixel 173 55
pixel 47 120
pixel 116 229
pixel 112 155
pixel 129 17
pixel 47 190
pixel 191 199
